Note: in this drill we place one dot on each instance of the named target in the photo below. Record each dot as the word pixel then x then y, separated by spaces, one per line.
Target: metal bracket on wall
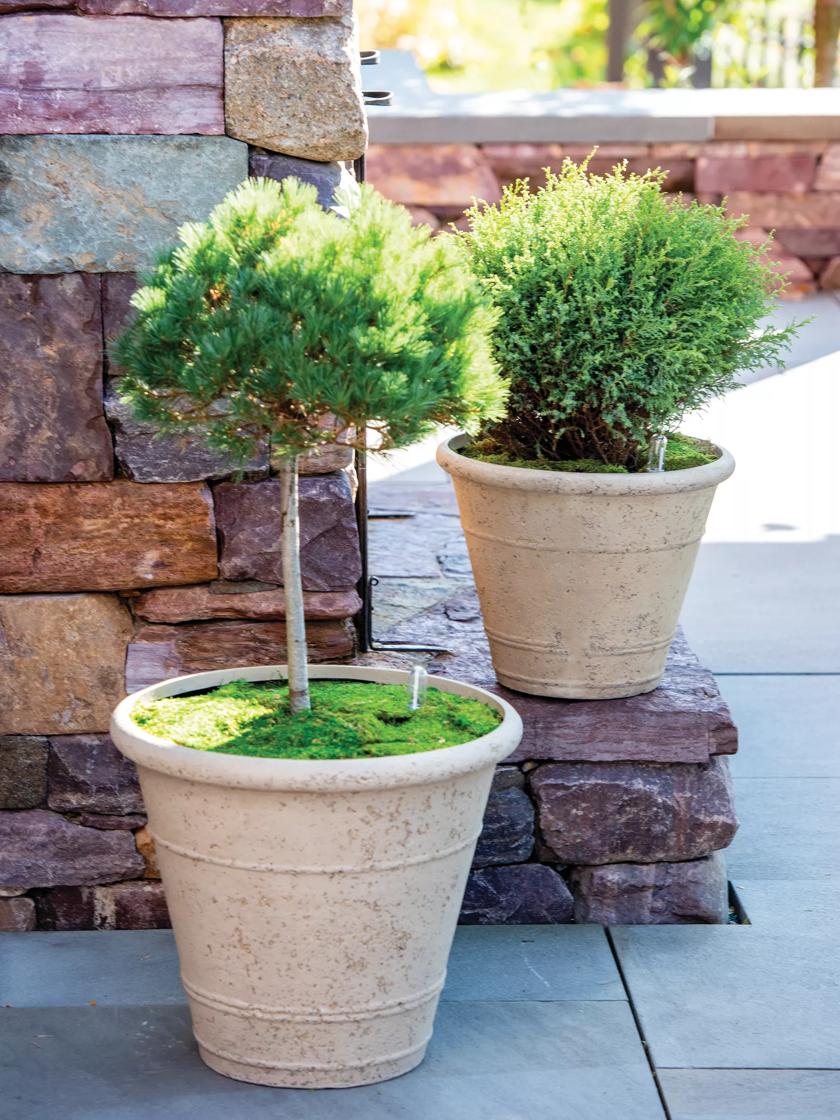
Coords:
pixel 367 582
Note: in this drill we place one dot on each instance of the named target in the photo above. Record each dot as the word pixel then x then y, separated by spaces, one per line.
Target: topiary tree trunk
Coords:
pixel 293 587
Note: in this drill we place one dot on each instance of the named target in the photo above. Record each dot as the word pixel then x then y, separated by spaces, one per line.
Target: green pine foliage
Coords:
pixel 275 313
pixel 620 310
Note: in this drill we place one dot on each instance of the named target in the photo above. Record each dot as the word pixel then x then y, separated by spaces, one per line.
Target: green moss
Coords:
pixel 349 719
pixel 682 452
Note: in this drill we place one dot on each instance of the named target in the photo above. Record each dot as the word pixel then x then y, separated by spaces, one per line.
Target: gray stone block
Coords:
pixel 507 835
pixel 23 771
pixel 329 179
pixel 522 894
pixel 42 849
pixel 106 203
pixel 634 812
pixel 87 772
pixel 652 893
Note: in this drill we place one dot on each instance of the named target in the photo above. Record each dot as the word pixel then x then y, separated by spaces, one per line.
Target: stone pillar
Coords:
pixel 125 558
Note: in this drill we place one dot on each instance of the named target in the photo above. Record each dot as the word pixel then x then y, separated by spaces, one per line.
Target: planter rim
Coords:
pixel 315 775
pixel 568 482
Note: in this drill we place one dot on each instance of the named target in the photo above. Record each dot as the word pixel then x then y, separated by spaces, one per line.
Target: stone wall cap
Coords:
pixel 420 115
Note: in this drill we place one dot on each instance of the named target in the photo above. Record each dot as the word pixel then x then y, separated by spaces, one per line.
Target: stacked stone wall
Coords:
pixel 125 559
pixel 788 187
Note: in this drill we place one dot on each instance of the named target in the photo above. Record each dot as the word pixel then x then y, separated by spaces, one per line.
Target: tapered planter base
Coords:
pixel 313 902
pixel 314 1078
pixel 581 577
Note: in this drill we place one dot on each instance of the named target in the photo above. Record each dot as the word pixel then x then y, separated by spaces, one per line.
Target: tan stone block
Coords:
pixel 293 86
pixel 828 172
pixel 445 178
pixel 61 662
pixel 146 847
pixel 105 536
pixel 794 211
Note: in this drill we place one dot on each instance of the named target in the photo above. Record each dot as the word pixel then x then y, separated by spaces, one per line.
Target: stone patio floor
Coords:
pixel 566 1022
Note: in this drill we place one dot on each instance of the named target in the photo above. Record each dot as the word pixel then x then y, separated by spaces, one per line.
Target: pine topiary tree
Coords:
pixel 275 315
pixel 620 309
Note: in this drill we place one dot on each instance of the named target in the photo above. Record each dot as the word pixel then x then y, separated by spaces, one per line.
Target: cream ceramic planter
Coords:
pixel 581 577
pixel 313 903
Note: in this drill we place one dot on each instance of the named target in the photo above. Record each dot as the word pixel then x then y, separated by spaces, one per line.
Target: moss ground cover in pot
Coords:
pixel 313 849
pixel 619 312
pixel 348 719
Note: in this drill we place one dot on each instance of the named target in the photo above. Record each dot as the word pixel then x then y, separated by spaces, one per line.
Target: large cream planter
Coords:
pixel 313 902
pixel 581 577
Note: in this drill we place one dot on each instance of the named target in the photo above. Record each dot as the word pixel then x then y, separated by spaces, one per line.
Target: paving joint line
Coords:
pixel 645 1047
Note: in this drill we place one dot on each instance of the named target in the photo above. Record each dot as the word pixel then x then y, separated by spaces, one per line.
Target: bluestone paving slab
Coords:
pixel 765 607
pixel 790 829
pixel 765 995
pixel 752 1094
pixel 788 727
pixel 136 967
pixel 494 1060
pixel 532 963
pixel 116 969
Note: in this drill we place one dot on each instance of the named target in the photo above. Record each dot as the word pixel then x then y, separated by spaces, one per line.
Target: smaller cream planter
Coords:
pixel 313 902
pixel 581 577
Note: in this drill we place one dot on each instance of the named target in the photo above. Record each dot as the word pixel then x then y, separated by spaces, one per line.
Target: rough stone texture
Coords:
pixel 71 73
pixel 445 178
pixel 723 174
pixel 145 454
pixel 652 893
pixel 42 849
pixel 103 820
pixel 65 908
pixel 830 275
pixel 17 915
pixel 104 536
pixel 61 662
pixel 794 211
pixel 507 835
pixel 810 242
pixel 106 203
pixel 507 777
pixel 631 812
pixel 23 771
pixel 137 904
pixel 131 906
pixel 248 520
pixel 87 772
pixel 293 86
pixel 684 720
pixel 177 8
pixel 158 652
pixel 326 460
pixel 117 312
pixel 828 173
pixel 328 178
pixel 52 425
pixel 225 600
pixel 146 847
pixel 525 894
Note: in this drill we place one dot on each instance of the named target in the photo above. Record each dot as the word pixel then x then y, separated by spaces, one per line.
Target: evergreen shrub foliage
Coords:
pixel 274 314
pixel 620 310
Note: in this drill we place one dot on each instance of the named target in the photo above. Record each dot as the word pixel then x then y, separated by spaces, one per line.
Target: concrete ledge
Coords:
pixel 421 116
